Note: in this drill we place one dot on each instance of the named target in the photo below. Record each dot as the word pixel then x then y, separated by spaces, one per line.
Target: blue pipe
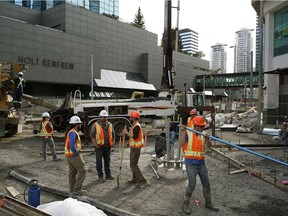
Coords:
pixel 239 147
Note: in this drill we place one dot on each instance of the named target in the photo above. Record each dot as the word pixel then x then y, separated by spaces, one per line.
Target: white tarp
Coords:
pixel 71 207
pixel 247 119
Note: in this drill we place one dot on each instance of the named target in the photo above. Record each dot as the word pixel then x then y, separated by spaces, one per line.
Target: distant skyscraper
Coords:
pixel 218 58
pixel 189 40
pixel 257 65
pixel 242 50
pixel 99 6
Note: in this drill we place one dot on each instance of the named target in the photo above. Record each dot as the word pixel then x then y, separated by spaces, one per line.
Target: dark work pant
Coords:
pixel 103 153
pixel 134 158
pixel 17 97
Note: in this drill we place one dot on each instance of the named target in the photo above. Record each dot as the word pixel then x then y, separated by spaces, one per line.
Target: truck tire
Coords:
pixel 11 130
pixel 118 128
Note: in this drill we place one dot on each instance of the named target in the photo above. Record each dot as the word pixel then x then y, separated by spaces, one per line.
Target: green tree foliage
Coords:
pixel 173 38
pixel 139 20
pixel 113 16
pixel 199 54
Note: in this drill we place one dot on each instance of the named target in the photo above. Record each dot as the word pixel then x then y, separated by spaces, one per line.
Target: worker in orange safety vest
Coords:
pixel 193 113
pixel 45 133
pixel 73 149
pixel 193 146
pixel 136 142
pixel 102 136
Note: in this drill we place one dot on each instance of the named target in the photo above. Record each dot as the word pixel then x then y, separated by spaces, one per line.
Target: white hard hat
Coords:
pixel 20 73
pixel 103 113
pixel 45 114
pixel 75 120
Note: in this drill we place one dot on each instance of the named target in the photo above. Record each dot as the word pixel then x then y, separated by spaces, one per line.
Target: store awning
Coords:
pixel 216 92
pixel 123 80
pixel 278 71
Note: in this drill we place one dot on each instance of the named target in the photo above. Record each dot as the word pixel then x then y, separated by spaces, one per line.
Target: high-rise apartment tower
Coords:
pixel 243 49
pixel 189 40
pixel 218 58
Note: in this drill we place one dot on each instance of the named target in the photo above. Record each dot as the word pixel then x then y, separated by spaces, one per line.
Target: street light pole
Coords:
pixel 251 70
pixel 204 89
pixel 251 79
pixel 92 78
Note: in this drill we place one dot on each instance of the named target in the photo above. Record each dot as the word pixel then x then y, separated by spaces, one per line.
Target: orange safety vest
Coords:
pixel 139 141
pixel 190 123
pixel 194 148
pixel 45 129
pixel 78 144
pixel 99 136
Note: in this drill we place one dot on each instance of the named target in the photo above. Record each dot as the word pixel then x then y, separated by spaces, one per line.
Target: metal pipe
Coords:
pixel 154 171
pixel 239 147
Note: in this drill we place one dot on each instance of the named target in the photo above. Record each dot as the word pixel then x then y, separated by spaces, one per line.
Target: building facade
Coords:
pixel 275 68
pixel 189 39
pixel 218 58
pixel 110 7
pixel 242 50
pixel 67 47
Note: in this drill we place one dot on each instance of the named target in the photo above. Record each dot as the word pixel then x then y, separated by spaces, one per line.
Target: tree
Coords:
pixel 199 54
pixel 173 38
pixel 139 20
pixel 113 16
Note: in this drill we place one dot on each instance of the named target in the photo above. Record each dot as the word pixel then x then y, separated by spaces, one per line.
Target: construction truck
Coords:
pixel 10 117
pixel 153 111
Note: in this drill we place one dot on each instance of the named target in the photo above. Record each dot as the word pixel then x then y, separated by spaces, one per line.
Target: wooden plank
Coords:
pixel 267 178
pixel 12 191
pixel 238 171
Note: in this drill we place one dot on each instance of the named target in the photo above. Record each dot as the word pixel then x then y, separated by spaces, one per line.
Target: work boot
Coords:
pixel 101 179
pixel 109 178
pixel 210 206
pixel 140 183
pixel 80 193
pixel 55 158
pixel 186 206
pixel 132 181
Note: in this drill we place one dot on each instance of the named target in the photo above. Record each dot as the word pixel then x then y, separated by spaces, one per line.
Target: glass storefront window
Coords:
pixel 281 32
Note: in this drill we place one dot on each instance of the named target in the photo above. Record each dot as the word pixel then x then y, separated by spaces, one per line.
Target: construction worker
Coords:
pixel 285 125
pixel 102 136
pixel 45 133
pixel 73 148
pixel 136 142
pixel 193 113
pixel 194 154
pixel 19 83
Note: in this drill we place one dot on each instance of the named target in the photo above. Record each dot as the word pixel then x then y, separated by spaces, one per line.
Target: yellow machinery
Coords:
pixel 9 118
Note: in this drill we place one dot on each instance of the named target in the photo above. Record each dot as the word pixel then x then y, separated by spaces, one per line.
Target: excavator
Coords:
pixel 9 116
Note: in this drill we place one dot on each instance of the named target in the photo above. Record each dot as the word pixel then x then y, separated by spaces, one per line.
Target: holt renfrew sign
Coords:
pixel 46 62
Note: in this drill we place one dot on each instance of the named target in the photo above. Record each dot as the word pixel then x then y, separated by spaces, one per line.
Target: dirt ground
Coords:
pixel 235 194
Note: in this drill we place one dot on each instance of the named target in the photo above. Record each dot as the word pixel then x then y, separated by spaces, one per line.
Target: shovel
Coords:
pixel 121 158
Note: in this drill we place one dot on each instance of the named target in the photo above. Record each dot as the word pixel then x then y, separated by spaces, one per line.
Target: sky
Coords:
pixel 216 21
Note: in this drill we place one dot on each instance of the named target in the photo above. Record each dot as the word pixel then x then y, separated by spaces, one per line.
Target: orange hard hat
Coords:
pixel 199 120
pixel 193 112
pixel 134 114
